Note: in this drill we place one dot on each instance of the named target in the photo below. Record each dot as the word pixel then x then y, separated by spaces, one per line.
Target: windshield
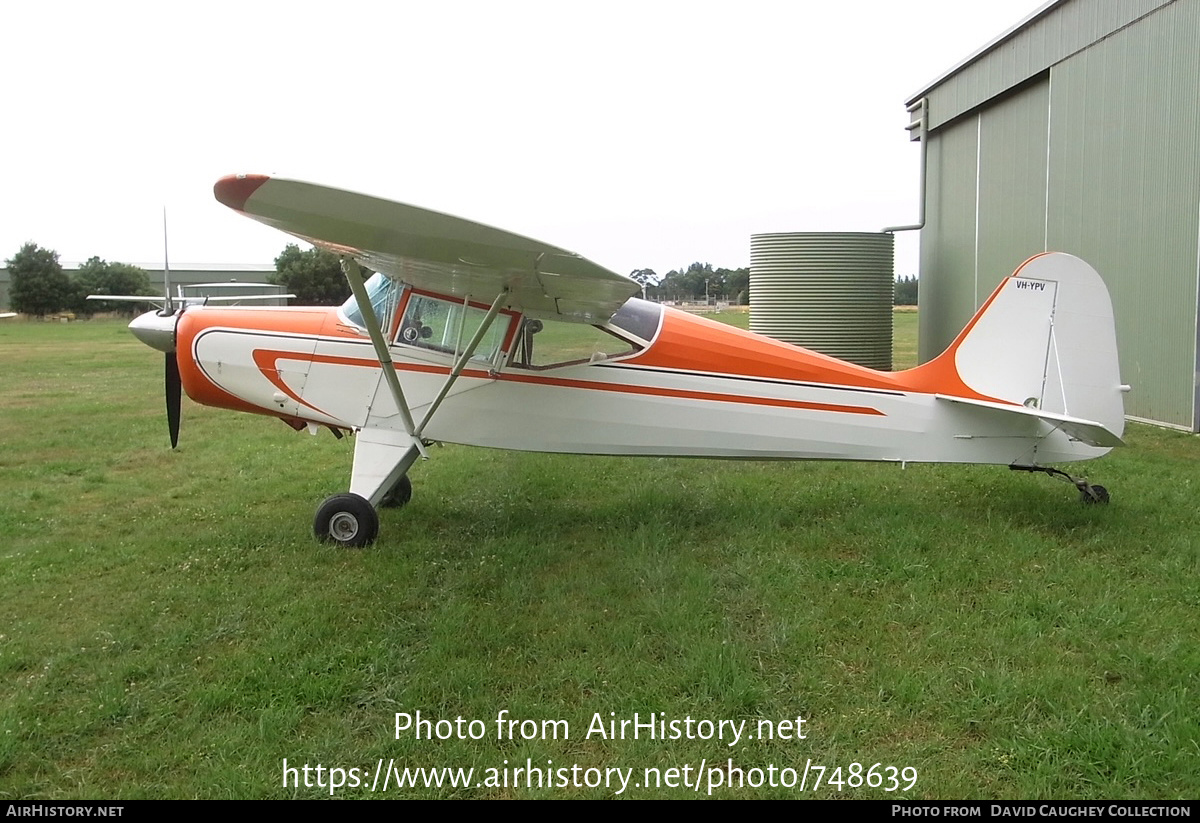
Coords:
pixel 638 317
pixel 382 293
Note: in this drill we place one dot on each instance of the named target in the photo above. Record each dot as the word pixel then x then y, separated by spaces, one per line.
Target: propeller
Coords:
pixel 157 330
pixel 174 392
pixel 173 385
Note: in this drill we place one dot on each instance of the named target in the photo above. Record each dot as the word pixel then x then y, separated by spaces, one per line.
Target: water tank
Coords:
pixel 830 292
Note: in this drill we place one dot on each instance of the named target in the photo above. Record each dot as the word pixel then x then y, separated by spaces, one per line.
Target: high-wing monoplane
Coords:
pixel 467 334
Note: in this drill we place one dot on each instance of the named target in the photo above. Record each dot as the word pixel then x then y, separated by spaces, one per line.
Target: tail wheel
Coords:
pixel 348 520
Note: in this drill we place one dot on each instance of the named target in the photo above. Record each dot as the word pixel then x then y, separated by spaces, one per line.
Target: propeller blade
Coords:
pixel 174 396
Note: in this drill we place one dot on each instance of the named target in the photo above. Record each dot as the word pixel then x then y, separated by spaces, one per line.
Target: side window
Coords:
pixel 444 326
pixel 545 345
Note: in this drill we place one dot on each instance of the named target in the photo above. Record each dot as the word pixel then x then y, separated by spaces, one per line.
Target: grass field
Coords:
pixel 169 628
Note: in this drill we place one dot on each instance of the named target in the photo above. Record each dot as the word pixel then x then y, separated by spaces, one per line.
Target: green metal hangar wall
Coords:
pixel 1078 131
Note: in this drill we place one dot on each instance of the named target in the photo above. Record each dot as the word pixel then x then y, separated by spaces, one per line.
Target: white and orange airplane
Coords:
pixel 449 341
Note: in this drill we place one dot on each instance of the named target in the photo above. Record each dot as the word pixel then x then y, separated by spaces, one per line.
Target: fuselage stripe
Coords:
pixel 266 361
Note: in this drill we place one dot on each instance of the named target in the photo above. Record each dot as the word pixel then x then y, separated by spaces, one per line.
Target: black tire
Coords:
pixel 1098 494
pixel 398 495
pixel 346 519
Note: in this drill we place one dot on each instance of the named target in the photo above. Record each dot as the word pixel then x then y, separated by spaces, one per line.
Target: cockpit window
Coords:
pixel 445 326
pixel 547 345
pixel 550 345
pixel 382 293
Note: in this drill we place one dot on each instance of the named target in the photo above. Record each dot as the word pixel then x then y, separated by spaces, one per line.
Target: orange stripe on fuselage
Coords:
pixel 266 360
pixel 659 391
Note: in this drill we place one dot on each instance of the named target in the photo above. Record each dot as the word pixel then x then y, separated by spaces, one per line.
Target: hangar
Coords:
pixel 1077 130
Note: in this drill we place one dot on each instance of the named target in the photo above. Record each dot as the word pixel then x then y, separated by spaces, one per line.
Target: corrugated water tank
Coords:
pixel 831 292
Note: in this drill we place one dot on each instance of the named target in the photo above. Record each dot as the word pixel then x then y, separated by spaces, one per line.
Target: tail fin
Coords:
pixel 1045 341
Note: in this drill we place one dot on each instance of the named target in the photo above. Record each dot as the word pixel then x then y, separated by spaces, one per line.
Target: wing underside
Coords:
pixel 433 251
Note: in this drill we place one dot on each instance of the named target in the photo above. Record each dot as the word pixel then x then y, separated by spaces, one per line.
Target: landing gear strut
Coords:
pixel 1087 492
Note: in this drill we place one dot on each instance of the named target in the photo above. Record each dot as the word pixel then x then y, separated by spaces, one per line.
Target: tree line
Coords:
pixel 40 286
pixel 699 281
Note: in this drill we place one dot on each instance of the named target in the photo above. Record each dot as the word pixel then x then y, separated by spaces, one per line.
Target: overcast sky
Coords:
pixel 638 134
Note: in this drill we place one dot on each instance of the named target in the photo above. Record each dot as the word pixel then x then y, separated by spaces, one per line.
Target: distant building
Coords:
pixel 1078 130
pixel 188 277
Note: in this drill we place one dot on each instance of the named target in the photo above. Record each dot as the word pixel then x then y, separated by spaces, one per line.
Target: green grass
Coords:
pixel 169 628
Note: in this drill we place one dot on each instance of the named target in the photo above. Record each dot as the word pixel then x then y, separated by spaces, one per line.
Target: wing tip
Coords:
pixel 234 190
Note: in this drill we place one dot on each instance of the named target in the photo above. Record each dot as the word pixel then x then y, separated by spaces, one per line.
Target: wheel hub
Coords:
pixel 343 526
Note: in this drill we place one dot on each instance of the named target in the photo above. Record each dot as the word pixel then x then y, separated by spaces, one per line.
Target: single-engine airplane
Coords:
pixel 451 339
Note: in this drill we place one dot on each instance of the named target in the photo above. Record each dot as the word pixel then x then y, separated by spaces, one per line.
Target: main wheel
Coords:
pixel 1098 494
pixel 348 520
pixel 398 494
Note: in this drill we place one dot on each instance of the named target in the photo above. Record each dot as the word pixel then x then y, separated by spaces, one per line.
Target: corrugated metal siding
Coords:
pixel 948 239
pixel 1012 185
pixel 1125 195
pixel 1060 32
pixel 986 210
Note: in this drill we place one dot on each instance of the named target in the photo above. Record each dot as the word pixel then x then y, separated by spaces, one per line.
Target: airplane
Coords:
pixel 7 314
pixel 462 333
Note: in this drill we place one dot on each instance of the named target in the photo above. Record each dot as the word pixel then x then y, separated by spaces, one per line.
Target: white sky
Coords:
pixel 639 134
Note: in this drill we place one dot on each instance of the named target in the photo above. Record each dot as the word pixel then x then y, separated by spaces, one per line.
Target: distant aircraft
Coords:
pixel 7 314
pixel 468 334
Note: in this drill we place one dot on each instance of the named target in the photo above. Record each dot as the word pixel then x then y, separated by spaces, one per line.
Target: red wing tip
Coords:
pixel 234 190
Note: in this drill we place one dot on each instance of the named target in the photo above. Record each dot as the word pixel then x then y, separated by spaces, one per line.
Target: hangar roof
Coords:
pixel 1048 36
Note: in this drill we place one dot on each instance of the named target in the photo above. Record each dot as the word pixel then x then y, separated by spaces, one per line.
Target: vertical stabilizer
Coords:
pixel 1045 340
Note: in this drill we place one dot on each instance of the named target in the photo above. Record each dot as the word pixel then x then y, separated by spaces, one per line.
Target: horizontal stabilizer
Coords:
pixel 1085 431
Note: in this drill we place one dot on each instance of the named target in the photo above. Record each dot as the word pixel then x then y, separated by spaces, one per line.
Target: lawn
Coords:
pixel 170 629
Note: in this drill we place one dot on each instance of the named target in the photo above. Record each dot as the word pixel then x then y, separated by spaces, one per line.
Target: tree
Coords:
pixel 906 291
pixel 696 282
pixel 39 284
pixel 737 285
pixel 98 277
pixel 644 278
pixel 314 276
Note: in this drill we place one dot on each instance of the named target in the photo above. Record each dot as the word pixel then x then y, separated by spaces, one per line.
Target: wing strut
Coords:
pixel 381 456
pixel 462 360
pixel 354 277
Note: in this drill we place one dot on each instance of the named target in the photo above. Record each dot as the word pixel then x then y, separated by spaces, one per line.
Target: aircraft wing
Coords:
pixel 433 251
